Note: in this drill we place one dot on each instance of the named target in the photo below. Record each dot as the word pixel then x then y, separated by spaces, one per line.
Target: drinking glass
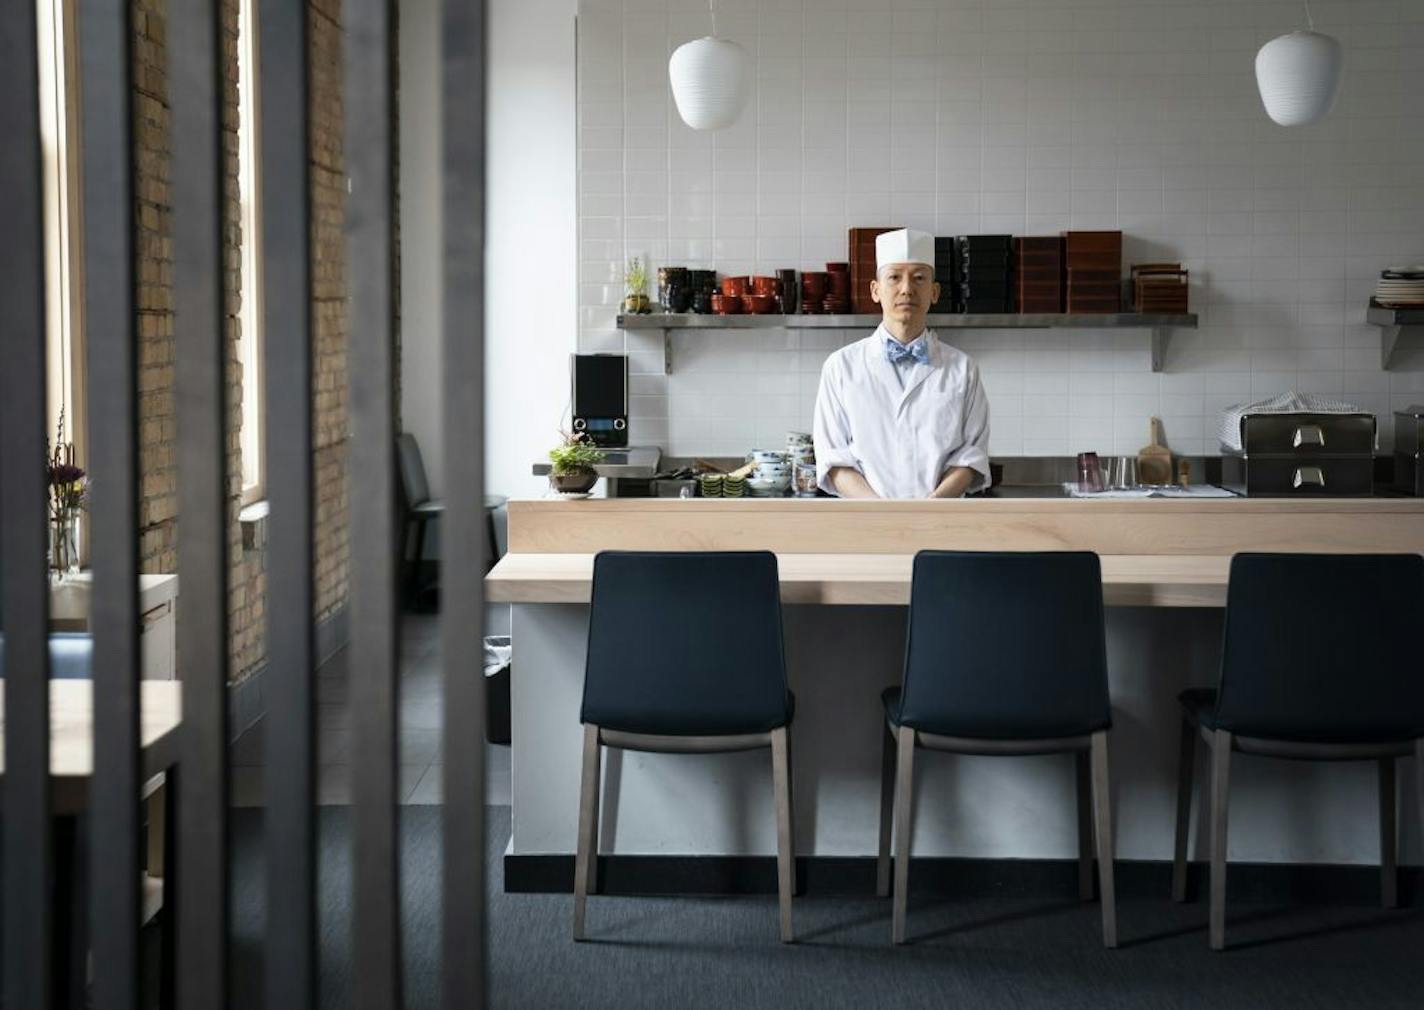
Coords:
pixel 1124 473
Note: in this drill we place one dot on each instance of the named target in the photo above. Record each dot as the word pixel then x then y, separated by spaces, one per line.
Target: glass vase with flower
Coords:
pixel 68 497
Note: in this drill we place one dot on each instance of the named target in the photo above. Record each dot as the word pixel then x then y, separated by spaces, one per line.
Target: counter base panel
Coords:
pixel 839 658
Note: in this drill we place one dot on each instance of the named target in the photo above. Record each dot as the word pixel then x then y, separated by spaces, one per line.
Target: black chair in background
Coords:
pixel 1320 662
pixel 1006 656
pixel 417 507
pixel 685 656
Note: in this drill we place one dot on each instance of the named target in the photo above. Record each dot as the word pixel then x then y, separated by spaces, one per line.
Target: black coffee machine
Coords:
pixel 600 398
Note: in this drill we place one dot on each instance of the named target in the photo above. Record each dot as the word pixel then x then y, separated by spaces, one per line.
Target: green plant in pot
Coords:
pixel 635 288
pixel 573 462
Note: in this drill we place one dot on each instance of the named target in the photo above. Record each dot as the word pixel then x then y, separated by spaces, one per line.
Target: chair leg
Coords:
pixel 904 826
pixel 1220 792
pixel 1102 818
pixel 413 580
pixel 1389 835
pixel 887 807
pixel 586 857
pixel 1186 767
pixel 785 846
pixel 1083 762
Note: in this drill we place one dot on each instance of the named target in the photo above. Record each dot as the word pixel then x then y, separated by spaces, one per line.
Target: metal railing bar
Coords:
pixel 463 539
pixel 24 592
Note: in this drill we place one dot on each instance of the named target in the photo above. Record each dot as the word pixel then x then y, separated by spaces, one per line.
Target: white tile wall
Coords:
pixel 1021 116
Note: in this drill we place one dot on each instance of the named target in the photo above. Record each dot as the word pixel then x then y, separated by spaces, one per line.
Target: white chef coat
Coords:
pixel 902 439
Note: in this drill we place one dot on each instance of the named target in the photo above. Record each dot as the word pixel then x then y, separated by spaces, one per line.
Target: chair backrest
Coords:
pixel 414 486
pixel 1006 646
pixel 71 655
pixel 685 644
pixel 1323 647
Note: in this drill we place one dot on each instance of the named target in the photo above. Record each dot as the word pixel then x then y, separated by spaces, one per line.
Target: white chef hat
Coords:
pixel 904 246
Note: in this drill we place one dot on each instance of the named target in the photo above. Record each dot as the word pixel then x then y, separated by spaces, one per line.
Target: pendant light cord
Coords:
pixel 712 10
pixel 1310 21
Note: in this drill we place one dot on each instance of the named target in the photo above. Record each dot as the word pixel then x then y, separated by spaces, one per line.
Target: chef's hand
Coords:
pixel 955 482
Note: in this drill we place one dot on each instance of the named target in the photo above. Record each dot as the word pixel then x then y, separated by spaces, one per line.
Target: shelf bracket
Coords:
pixel 1399 342
pixel 1160 338
pixel 667 351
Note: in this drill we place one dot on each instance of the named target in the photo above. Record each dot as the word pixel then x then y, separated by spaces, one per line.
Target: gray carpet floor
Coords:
pixel 690 953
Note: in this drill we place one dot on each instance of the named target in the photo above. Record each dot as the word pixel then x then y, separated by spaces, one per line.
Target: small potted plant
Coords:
pixel 635 288
pixel 574 460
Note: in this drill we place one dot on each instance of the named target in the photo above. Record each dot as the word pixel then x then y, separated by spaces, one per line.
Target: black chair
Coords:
pixel 656 680
pixel 417 507
pixel 1319 662
pixel 1006 656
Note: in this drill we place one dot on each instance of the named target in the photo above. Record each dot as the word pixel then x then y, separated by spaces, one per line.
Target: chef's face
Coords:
pixel 905 291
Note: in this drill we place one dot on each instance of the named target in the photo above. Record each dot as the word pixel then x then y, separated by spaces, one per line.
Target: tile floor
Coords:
pixel 421 727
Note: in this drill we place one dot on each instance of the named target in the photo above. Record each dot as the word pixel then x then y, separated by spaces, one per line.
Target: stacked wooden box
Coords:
pixel 862 268
pixel 1094 267
pixel 984 274
pixel 1159 287
pixel 1039 273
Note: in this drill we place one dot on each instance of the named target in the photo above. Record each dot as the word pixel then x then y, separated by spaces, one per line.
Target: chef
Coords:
pixel 901 414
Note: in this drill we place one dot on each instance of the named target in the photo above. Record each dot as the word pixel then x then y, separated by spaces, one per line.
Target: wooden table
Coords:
pixel 1140 580
pixel 71 765
pixel 71 735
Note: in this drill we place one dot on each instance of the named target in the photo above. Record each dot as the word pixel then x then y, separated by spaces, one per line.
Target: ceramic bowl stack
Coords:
pixel 771 473
pixel 801 454
pixel 735 487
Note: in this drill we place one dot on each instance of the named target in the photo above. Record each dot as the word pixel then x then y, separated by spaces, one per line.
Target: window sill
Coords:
pixel 253 520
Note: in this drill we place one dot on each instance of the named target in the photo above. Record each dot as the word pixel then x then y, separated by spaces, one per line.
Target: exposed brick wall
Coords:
pixel 152 139
pixel 329 330
pixel 153 248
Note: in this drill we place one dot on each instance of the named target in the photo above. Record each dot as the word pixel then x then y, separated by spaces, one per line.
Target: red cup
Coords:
pixel 758 305
pixel 727 305
pixel 734 287
pixel 764 286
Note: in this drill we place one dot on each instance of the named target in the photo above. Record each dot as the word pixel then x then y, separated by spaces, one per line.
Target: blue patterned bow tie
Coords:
pixel 896 352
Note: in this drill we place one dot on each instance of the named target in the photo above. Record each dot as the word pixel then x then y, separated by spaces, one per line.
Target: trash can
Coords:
pixel 498 660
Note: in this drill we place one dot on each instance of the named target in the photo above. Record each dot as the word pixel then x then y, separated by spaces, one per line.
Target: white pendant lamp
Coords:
pixel 1298 75
pixel 709 80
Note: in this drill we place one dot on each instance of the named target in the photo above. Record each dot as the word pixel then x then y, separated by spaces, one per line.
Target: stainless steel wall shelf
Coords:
pixel 1160 325
pixel 1399 329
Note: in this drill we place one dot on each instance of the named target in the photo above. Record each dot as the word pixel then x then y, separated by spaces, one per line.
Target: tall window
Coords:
pixel 64 291
pixel 249 185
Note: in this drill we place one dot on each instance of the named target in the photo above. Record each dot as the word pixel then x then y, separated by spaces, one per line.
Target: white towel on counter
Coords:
pixel 1229 430
pixel 1192 491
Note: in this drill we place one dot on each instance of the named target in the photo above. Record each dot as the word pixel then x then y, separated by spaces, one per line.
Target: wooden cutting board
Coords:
pixel 1154 460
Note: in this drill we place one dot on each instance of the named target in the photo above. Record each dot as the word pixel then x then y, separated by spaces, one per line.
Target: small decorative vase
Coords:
pixel 635 304
pixel 64 545
pixel 573 483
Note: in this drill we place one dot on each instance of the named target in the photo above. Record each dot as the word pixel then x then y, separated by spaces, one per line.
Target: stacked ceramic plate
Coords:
pixel 771 473
pixel 1401 287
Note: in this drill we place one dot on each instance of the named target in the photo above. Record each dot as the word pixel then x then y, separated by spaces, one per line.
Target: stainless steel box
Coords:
pixel 1302 455
pixel 1409 450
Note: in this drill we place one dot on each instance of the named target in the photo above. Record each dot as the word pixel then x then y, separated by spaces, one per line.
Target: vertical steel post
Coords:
pixel 194 73
pixel 463 536
pixel 24 592
pixel 288 688
pixel 110 337
pixel 374 663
